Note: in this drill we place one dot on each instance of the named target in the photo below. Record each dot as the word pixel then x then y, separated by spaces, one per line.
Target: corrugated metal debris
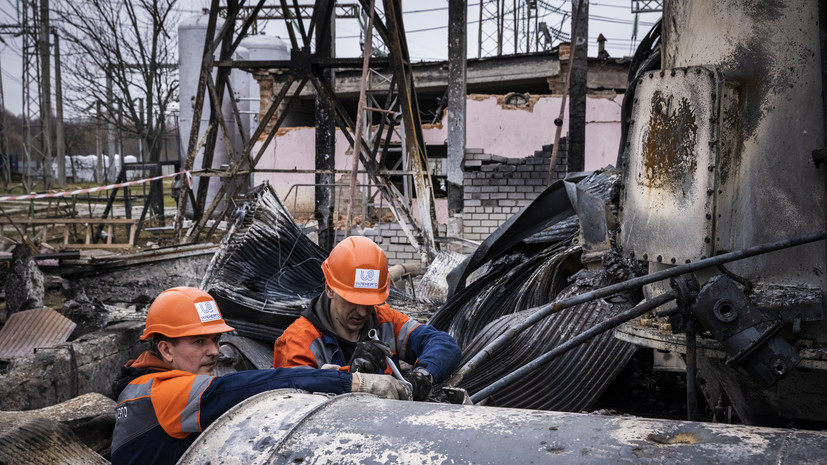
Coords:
pixel 30 329
pixel 525 271
pixel 267 270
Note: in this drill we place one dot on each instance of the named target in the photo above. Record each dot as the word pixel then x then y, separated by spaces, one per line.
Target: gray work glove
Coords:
pixel 382 385
pixel 369 357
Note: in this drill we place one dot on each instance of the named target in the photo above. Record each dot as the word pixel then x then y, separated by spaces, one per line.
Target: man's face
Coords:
pixel 195 354
pixel 348 318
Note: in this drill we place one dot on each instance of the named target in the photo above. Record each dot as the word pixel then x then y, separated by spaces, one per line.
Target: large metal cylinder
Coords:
pixel 191 34
pixel 289 426
pixel 719 157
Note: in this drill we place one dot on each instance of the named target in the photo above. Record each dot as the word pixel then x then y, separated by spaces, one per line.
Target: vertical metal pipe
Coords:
pixel 691 370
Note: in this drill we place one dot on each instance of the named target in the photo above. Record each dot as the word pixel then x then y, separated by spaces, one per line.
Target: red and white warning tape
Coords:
pixel 96 189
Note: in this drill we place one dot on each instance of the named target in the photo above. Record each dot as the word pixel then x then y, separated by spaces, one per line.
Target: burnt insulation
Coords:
pixel 541 268
pixel 267 270
pixel 571 382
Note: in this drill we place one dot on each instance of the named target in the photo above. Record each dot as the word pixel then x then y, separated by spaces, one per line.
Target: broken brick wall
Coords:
pixel 495 188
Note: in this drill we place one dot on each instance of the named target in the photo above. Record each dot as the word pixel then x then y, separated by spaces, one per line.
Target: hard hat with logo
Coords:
pixel 184 311
pixel 357 270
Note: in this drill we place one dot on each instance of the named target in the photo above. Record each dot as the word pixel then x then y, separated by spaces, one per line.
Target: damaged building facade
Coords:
pixel 512 103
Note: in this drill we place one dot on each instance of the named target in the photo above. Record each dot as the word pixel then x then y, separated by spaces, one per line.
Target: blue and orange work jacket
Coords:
pixel 159 414
pixel 304 343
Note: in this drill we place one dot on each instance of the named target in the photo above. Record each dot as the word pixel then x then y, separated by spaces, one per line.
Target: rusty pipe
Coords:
pixel 288 426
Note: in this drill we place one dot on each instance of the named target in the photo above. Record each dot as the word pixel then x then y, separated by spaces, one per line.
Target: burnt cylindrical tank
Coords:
pixel 719 157
pixel 289 426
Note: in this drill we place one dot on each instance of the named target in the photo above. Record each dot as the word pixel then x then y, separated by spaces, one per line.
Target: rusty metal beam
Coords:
pixel 388 189
pixel 206 70
pixel 414 140
pixel 311 67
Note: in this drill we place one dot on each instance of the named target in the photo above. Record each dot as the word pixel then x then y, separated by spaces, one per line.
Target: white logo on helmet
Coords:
pixel 207 311
pixel 366 279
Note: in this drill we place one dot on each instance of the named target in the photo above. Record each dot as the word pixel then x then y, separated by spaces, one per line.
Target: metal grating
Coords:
pixel 27 330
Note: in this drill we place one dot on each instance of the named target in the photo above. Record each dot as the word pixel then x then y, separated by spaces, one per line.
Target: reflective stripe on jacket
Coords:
pixel 303 344
pixel 157 414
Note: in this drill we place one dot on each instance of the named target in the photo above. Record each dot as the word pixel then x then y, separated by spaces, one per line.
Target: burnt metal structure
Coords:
pixel 723 141
pixel 306 65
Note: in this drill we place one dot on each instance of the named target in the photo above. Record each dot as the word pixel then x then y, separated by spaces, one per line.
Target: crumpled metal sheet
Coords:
pixel 434 283
pixel 525 272
pixel 27 330
pixel 549 218
pixel 266 270
pixel 569 383
pixel 41 441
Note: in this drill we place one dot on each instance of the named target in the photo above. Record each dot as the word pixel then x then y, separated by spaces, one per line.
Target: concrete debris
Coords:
pixel 24 285
pixel 56 374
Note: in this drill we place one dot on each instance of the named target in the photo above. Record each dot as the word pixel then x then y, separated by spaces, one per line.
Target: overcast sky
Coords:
pixel 426 23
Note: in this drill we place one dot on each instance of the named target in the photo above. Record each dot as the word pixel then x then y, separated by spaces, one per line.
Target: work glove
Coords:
pixel 421 382
pixel 369 357
pixel 382 385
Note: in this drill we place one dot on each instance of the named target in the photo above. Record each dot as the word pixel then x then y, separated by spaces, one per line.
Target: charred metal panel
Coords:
pixel 772 119
pixel 667 204
pixel 279 427
pixel 30 329
pixel 749 335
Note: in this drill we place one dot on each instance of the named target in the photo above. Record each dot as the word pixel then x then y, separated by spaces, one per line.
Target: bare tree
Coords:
pixel 130 46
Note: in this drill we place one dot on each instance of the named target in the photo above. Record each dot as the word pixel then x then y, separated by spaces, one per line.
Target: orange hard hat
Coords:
pixel 184 311
pixel 357 270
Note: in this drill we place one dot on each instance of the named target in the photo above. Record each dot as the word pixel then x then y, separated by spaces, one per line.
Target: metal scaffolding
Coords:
pixel 309 32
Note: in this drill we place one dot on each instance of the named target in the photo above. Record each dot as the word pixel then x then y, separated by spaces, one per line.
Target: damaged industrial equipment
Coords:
pixel 666 307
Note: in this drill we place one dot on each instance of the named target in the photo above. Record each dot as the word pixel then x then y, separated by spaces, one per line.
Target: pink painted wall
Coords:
pixel 495 128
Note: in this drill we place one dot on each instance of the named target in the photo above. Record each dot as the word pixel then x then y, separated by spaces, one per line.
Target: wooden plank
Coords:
pixel 70 220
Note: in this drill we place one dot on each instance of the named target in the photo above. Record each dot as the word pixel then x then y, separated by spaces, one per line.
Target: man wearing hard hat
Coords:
pixel 336 327
pixel 169 395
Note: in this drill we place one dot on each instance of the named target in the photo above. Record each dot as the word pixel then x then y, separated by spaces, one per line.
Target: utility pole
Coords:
pixel 5 167
pixel 326 146
pixel 98 145
pixel 60 145
pixel 45 94
pixel 577 85
pixel 457 89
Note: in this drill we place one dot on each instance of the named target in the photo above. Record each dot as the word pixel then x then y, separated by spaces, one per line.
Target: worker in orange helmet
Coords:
pixel 169 394
pixel 335 328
